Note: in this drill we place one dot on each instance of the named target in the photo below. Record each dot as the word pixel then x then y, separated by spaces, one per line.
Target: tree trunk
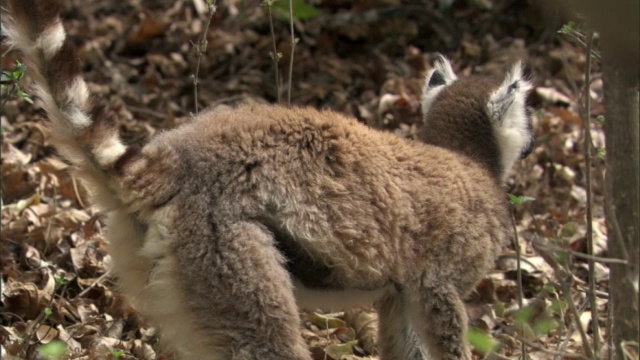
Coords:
pixel 620 76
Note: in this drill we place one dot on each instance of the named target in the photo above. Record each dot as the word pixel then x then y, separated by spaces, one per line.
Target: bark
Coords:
pixel 620 75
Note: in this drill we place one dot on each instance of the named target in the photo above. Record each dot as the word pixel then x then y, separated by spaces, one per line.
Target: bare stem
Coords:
pixel 275 55
pixel 595 328
pixel 42 316
pixel 565 279
pixel 201 48
pixel 516 240
pixel 566 289
pixel 594 258
pixel 293 46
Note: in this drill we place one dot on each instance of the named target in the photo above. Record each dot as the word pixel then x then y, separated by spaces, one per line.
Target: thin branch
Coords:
pixel 562 354
pixel 516 240
pixel 275 55
pixel 600 294
pixel 293 46
pixel 566 289
pixel 610 330
pixel 563 346
pixel 42 316
pixel 201 48
pixel 599 259
pixel 595 328
pixel 98 280
pixel 561 274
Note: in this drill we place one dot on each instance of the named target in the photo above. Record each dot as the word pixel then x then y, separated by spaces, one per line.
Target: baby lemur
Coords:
pixel 218 226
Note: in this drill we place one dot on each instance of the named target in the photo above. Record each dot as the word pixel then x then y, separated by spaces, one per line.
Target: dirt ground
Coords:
pixel 365 58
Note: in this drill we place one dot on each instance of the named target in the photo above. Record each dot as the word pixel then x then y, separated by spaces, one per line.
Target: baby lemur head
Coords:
pixel 481 117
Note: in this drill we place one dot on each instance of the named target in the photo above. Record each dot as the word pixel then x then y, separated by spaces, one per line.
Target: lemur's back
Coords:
pixel 370 199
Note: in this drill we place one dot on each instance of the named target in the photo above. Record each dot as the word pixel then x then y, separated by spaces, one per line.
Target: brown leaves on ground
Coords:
pixel 364 58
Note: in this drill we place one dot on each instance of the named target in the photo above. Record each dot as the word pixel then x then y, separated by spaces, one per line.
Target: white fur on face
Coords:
pixel 507 110
pixel 429 93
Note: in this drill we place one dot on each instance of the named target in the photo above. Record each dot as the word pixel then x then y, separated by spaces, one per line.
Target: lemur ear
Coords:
pixel 511 95
pixel 507 110
pixel 440 76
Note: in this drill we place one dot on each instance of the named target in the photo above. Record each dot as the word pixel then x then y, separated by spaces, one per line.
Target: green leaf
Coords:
pixel 550 289
pixel 558 306
pixel 517 200
pixel 53 350
pixel 481 341
pixel 6 76
pixel 568 27
pixel 24 96
pixel 569 229
pixel 116 354
pixel 524 315
pixel 301 10
pixel 602 153
pixel 544 326
pixel 47 311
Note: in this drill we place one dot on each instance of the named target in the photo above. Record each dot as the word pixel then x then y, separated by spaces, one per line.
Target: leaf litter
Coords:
pixel 58 296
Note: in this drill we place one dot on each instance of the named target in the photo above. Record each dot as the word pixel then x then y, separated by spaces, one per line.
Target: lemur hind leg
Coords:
pixel 441 320
pixel 397 339
pixel 241 293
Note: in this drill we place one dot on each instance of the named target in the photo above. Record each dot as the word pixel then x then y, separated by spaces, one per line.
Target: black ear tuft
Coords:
pixel 437 78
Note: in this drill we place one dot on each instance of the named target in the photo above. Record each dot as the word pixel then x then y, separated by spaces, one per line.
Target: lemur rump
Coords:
pixel 218 227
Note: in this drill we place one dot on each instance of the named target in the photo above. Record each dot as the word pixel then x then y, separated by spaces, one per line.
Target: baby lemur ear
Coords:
pixel 508 113
pixel 440 76
pixel 510 95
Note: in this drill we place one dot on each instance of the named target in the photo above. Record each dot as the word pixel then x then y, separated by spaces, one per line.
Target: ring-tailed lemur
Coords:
pixel 218 226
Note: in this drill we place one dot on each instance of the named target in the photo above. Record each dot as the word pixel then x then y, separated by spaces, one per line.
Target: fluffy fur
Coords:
pixel 483 118
pixel 210 224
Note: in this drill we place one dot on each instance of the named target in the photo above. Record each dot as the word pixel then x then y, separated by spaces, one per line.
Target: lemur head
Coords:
pixel 481 117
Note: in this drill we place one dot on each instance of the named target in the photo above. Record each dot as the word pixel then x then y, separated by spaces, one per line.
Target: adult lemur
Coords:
pixel 214 227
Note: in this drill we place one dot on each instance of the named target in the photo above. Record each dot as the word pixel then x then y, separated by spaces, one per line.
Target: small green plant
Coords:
pixel 519 200
pixel 301 10
pixel 10 84
pixel 54 350
pixel 481 341
pixel 60 281
pixel 115 353
pixel 274 54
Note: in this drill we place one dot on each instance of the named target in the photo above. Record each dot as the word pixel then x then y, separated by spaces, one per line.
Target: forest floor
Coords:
pixel 365 58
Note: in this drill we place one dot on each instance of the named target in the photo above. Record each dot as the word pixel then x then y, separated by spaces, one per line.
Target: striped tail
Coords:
pixel 82 129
